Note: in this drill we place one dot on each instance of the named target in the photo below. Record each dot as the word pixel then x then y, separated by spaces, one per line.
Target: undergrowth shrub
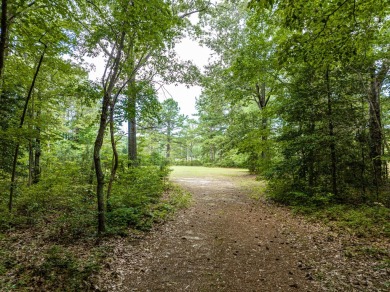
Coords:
pixel 50 217
pixel 183 162
pixel 371 219
pixel 134 195
pixel 61 202
pixel 64 204
pixel 138 186
pixel 282 194
pixel 359 220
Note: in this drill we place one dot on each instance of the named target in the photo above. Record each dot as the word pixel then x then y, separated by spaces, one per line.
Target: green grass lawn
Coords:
pixel 210 172
pixel 254 188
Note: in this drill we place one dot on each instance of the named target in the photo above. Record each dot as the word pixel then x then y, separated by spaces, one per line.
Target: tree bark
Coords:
pixel 375 130
pixel 37 154
pixel 310 160
pixel 132 128
pixel 262 101
pixel 169 138
pixel 37 159
pixel 332 144
pixel 108 88
pixel 115 161
pixel 98 165
pixel 30 163
pixel 264 125
pixel 30 146
pixel 132 120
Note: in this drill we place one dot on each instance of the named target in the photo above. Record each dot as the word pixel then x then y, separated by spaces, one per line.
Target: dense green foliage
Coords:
pixel 299 91
pixel 60 131
pixel 63 164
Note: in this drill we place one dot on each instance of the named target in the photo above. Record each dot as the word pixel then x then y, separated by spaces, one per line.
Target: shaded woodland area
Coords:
pixel 305 90
pixel 296 91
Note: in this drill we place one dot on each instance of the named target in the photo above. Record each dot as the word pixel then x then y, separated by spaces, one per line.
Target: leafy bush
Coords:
pixel 233 159
pixel 134 196
pixel 154 159
pixel 61 198
pixel 362 221
pixel 302 199
pixel 124 216
pixel 188 162
pixel 138 187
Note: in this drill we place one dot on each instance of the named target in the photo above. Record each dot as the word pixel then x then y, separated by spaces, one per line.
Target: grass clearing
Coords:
pixel 253 187
pixel 209 172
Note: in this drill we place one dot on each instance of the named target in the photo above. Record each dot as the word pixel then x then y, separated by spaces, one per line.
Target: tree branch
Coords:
pixel 327 19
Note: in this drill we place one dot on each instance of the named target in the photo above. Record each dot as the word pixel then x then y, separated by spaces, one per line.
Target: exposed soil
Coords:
pixel 226 241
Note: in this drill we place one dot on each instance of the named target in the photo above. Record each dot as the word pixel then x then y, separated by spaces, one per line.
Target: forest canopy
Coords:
pixel 296 91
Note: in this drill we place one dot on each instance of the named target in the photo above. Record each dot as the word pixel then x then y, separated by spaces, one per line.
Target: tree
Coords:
pixel 170 122
pixel 343 39
pixel 35 34
pixel 136 32
pixel 144 108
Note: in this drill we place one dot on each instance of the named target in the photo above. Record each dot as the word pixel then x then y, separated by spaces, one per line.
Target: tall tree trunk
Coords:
pixel 169 138
pixel 16 154
pixel 132 121
pixel 375 129
pixel 262 101
pixel 108 86
pixel 37 159
pixel 98 165
pixel 37 150
pixel 31 148
pixel 332 145
pixel 264 122
pixel 132 128
pixel 311 159
pixel 362 172
pixel 115 161
pixel 30 162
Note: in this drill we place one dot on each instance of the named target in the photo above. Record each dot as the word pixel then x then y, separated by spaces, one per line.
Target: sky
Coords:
pixel 187 49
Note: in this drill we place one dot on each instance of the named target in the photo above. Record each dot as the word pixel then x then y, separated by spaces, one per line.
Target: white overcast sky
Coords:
pixel 187 49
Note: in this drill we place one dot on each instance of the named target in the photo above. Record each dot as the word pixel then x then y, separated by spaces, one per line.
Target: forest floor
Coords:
pixel 231 239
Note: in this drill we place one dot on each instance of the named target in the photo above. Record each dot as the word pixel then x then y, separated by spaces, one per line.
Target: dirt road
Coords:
pixel 226 241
